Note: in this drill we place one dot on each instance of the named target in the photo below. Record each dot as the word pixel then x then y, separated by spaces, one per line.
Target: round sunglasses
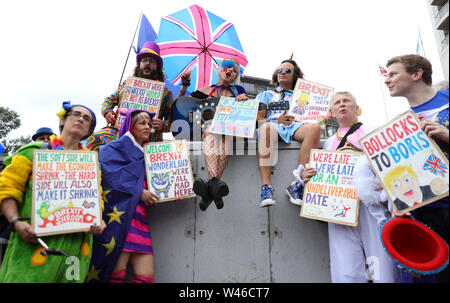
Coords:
pixel 286 70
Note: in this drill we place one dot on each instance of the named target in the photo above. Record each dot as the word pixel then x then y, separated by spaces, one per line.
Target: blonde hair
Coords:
pixel 238 74
pixel 397 172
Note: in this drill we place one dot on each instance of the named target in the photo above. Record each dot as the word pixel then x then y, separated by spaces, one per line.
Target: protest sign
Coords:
pixel 140 93
pixel 168 170
pixel 330 195
pixel 66 192
pixel 235 118
pixel 310 101
pixel 410 166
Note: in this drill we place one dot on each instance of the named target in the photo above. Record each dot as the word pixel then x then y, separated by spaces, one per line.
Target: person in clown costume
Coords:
pixel 23 262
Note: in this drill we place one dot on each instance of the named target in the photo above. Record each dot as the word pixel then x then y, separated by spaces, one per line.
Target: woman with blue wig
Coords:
pixel 215 146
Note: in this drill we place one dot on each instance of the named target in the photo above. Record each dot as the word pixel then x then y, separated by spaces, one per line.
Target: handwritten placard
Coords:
pixel 330 195
pixel 235 118
pixel 66 191
pixel 140 93
pixel 310 101
pixel 169 171
pixel 410 166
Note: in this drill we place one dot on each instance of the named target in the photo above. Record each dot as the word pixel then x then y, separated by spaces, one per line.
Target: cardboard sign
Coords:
pixel 168 170
pixel 410 166
pixel 66 192
pixel 140 93
pixel 310 101
pixel 235 118
pixel 330 195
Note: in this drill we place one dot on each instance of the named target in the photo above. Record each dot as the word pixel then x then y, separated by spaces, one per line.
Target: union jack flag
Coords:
pixel 435 165
pixel 197 40
pixel 383 71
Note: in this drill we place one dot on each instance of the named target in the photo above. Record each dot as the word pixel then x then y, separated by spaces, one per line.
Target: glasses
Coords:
pixel 228 63
pixel 286 70
pixel 77 114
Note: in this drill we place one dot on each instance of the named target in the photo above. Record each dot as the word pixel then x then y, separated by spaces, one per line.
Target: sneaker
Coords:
pixel 267 196
pixel 295 193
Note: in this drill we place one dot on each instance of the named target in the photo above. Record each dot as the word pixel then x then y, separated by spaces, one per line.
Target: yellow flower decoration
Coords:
pixel 61 113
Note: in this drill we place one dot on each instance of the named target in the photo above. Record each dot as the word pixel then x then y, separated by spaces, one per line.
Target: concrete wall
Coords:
pixel 242 242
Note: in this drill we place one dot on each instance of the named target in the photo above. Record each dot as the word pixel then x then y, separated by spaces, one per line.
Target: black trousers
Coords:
pixel 436 218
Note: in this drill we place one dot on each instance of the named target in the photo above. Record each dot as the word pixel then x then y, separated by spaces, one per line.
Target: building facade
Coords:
pixel 439 18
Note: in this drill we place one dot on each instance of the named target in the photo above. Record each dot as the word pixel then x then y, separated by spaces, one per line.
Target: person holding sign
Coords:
pixel 215 146
pixel 126 238
pixel 279 124
pixel 351 248
pixel 149 65
pixel 410 76
pixel 23 261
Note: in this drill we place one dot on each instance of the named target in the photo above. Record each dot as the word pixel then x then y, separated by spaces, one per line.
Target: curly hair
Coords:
pixel 297 73
pixel 155 75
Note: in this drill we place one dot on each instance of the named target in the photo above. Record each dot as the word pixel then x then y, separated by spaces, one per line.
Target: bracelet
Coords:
pixel 185 82
pixel 13 222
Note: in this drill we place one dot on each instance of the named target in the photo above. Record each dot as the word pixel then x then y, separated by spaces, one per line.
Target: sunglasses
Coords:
pixel 286 70
pixel 228 63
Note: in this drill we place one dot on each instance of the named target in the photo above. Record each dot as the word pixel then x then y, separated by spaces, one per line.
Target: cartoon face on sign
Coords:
pixel 403 183
pixel 162 183
pixel 339 209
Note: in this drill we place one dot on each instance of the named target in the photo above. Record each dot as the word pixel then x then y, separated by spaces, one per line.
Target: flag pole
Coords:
pixel 421 43
pixel 382 94
pixel 129 50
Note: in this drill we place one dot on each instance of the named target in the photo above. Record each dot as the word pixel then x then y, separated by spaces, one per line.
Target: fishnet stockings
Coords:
pixel 216 151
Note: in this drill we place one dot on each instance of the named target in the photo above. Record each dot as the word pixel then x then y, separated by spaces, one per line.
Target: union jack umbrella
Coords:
pixel 195 39
pixel 435 165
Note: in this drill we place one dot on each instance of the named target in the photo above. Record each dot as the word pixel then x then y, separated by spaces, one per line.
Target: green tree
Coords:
pixel 10 120
pixel 13 145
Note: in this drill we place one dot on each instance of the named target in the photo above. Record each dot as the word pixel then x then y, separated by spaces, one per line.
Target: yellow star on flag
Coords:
pixel 104 193
pixel 110 246
pixel 93 274
pixel 115 215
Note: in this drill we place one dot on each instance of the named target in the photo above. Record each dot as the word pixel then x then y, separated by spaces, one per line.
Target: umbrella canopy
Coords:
pixel 195 39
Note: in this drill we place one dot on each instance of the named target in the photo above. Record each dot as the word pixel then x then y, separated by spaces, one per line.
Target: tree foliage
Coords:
pixel 13 145
pixel 9 120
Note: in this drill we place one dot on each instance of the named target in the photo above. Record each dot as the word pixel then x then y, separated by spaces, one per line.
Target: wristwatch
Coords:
pixel 13 222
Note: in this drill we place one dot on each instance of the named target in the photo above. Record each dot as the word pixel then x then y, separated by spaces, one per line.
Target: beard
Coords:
pixel 153 75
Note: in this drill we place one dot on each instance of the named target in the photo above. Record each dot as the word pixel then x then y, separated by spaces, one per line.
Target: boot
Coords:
pixel 201 189
pixel 217 189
